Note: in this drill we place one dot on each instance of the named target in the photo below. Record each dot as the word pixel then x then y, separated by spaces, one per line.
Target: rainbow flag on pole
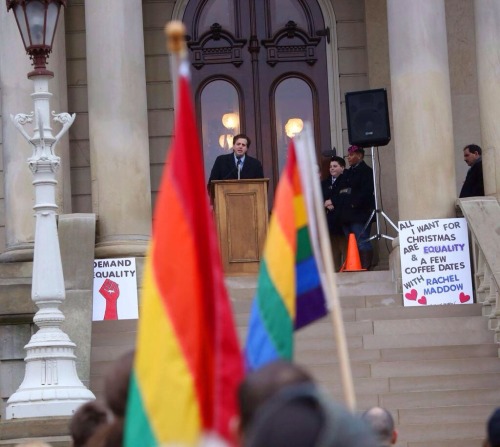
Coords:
pixel 289 290
pixel 188 361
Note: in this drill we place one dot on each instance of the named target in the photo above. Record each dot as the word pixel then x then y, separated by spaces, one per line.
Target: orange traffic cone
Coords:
pixel 352 262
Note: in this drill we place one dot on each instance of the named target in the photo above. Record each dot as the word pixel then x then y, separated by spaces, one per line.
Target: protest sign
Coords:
pixel 435 262
pixel 115 289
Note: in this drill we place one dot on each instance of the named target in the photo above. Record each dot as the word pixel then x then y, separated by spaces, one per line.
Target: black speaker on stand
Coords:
pixel 368 126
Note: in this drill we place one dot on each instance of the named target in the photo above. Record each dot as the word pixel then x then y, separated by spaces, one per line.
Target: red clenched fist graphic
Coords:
pixel 110 290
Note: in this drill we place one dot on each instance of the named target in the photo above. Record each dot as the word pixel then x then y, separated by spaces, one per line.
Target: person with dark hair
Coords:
pixel 116 383
pixel 493 430
pixel 302 416
pixel 358 202
pixel 260 385
pixel 237 164
pixel 86 421
pixel 107 435
pixel 382 424
pixel 330 188
pixel 473 185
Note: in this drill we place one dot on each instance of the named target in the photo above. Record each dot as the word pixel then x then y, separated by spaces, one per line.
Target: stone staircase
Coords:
pixel 435 368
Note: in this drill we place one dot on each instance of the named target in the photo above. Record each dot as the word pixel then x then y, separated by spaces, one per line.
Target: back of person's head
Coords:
pixel 86 420
pixel 474 148
pixel 260 385
pixel 117 383
pixel 301 416
pixel 382 424
pixel 108 435
pixel 493 429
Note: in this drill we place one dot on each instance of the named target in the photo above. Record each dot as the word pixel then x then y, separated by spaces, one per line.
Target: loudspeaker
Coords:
pixel 368 118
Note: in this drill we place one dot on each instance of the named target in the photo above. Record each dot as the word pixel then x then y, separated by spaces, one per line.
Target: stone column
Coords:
pixel 421 104
pixel 487 16
pixel 16 89
pixel 118 126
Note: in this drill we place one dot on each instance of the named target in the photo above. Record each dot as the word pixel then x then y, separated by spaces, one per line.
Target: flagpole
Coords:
pixel 331 290
pixel 175 31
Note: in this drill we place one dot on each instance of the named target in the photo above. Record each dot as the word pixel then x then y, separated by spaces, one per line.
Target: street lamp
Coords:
pixel 51 386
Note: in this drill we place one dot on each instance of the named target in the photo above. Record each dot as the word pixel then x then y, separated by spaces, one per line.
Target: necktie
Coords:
pixel 239 166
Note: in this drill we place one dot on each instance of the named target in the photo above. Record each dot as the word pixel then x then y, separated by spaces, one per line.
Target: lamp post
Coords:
pixel 51 386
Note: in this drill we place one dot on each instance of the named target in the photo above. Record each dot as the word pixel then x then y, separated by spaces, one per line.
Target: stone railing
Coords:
pixel 483 219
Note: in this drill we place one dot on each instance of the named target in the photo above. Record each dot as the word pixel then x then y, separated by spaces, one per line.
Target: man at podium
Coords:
pixel 237 165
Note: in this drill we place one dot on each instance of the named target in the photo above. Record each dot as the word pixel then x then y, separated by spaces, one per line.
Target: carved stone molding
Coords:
pixel 217 46
pixel 291 44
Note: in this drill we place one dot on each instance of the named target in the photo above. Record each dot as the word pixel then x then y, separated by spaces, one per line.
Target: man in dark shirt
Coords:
pixel 473 185
pixel 237 164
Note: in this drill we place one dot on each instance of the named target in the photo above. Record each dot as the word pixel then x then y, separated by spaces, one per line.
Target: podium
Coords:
pixel 241 217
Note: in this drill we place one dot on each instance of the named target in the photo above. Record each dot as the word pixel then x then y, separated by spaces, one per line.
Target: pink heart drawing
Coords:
pixel 463 297
pixel 422 300
pixel 412 295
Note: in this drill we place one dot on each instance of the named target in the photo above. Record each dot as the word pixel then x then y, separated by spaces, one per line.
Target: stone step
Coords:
pixel 454 381
pixel 53 441
pixel 50 429
pixel 470 442
pixel 430 325
pixel 423 340
pixel 413 368
pixel 396 313
pixel 327 353
pixel 446 398
pixel 442 415
pixel 439 433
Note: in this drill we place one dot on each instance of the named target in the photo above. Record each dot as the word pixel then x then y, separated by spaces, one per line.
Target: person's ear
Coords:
pixel 394 437
pixel 235 430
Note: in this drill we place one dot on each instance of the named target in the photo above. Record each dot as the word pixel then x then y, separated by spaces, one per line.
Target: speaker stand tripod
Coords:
pixel 377 211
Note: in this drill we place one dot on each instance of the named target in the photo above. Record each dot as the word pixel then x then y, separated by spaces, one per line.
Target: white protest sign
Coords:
pixel 115 289
pixel 435 262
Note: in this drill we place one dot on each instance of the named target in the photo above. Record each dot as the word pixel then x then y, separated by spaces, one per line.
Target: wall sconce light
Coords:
pixel 226 141
pixel 293 126
pixel 231 120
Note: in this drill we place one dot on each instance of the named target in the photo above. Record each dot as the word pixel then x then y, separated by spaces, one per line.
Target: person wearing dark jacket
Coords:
pixel 358 202
pixel 330 188
pixel 473 185
pixel 228 166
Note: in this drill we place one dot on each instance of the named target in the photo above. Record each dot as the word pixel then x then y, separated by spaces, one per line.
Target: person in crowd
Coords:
pixel 330 188
pixel 117 382
pixel 473 185
pixel 108 435
pixel 302 416
pixel 86 421
pixel 382 423
pixel 238 164
pixel 356 192
pixel 493 430
pixel 260 385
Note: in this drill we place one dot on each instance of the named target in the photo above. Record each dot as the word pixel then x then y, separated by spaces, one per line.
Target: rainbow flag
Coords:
pixel 188 361
pixel 289 291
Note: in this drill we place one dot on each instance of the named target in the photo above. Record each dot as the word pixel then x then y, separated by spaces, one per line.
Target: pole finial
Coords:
pixel 176 32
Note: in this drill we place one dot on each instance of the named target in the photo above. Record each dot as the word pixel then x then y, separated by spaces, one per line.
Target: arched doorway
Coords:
pixel 262 65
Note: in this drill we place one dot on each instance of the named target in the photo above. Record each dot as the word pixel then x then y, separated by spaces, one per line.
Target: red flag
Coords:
pixel 188 362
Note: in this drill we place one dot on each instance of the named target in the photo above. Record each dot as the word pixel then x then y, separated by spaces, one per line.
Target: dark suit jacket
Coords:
pixel 356 194
pixel 332 192
pixel 224 168
pixel 473 185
